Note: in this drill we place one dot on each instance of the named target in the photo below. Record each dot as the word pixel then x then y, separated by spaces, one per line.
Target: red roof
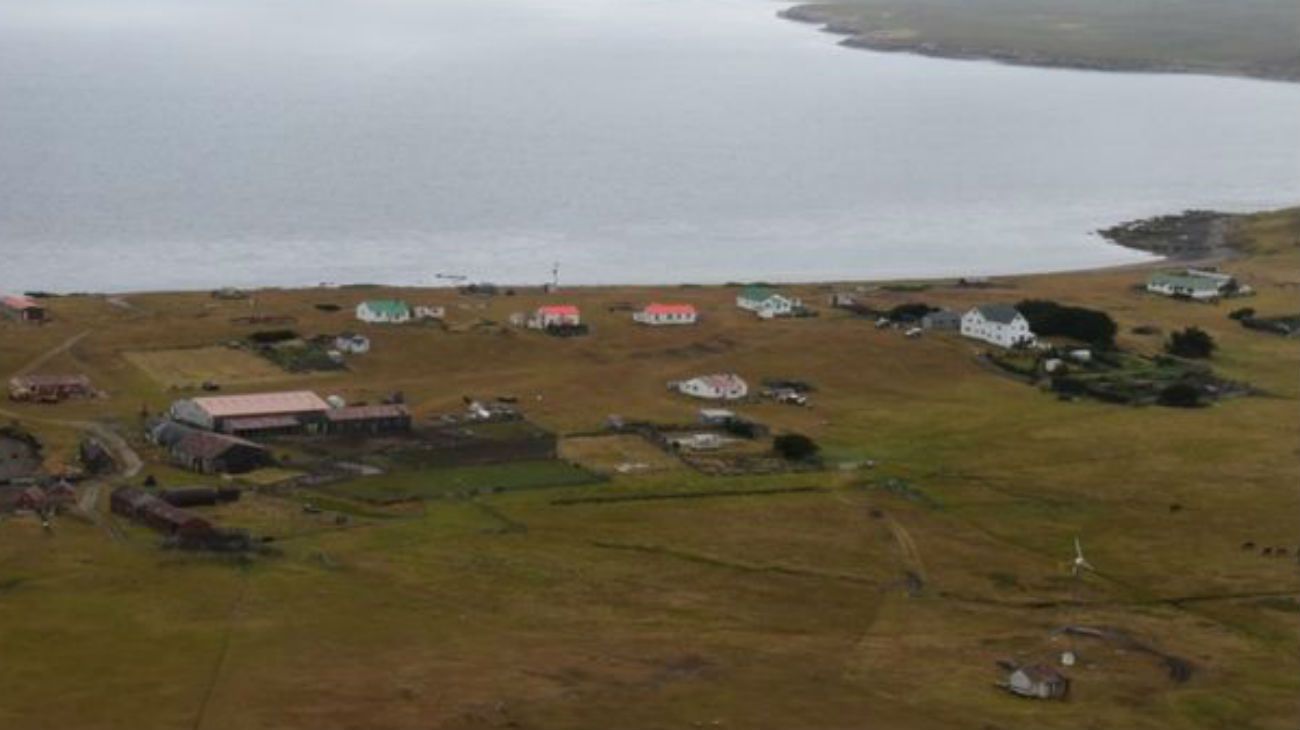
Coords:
pixel 558 310
pixel 669 309
pixel 19 302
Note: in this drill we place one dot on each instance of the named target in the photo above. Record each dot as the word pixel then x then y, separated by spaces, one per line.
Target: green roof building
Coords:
pixel 384 310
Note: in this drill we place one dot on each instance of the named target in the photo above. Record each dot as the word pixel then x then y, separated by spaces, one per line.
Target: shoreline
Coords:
pixel 859 37
pixel 1192 238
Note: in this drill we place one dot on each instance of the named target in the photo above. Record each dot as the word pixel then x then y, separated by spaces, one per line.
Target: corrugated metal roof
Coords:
pixel 657 308
pixel 259 423
pixel 16 301
pixel 46 381
pixel 559 310
pixel 362 413
pixel 261 404
pixel 206 445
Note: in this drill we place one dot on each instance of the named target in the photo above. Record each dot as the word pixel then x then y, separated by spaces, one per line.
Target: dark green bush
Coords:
pixel 1180 395
pixel 1192 342
pixel 1047 319
pixel 795 447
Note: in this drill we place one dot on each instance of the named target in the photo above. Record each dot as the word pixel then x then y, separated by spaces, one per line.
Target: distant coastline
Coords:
pixel 1189 238
pixel 859 35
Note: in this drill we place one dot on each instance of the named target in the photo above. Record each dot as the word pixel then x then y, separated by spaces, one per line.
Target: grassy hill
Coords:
pixel 840 598
pixel 1249 38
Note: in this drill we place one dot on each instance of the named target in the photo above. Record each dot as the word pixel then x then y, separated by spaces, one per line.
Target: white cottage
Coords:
pixel 997 324
pixel 767 303
pixel 352 343
pixel 385 311
pixel 1191 283
pixel 713 387
pixel 666 314
pixel 556 315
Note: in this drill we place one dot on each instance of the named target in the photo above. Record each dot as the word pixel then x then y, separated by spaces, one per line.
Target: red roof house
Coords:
pixel 23 309
pixel 556 315
pixel 661 314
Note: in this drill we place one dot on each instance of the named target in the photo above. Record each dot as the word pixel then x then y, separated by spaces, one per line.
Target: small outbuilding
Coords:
pixel 724 386
pixel 60 493
pixel 1038 681
pixel 32 499
pixel 22 308
pixel 352 343
pixel 941 320
pixel 716 416
pixel 49 388
pixel 368 420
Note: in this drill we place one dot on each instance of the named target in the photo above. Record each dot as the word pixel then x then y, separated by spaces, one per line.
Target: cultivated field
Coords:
pixel 191 367
pixel 852 597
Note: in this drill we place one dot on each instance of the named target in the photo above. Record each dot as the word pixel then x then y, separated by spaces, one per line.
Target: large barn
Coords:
pixel 254 414
pixel 206 452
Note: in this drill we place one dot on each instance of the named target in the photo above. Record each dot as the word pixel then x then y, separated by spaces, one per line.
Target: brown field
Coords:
pixel 191 367
pixel 808 600
pixel 617 454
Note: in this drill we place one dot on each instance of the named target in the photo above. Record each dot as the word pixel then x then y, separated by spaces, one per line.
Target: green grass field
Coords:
pixel 436 483
pixel 834 599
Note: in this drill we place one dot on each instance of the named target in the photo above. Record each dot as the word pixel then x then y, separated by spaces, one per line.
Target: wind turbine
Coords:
pixel 1080 563
pixel 1077 567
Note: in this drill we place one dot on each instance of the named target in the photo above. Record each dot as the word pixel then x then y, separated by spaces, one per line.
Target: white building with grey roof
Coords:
pixel 997 324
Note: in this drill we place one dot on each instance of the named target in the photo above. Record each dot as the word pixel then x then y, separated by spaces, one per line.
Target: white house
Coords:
pixel 385 311
pixel 713 387
pixel 666 314
pixel 352 343
pixel 997 324
pixel 716 416
pixel 697 442
pixel 1191 283
pixel 766 303
pixel 556 315
pixel 430 312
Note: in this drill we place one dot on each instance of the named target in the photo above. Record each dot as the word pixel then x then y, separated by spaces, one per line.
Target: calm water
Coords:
pixel 194 143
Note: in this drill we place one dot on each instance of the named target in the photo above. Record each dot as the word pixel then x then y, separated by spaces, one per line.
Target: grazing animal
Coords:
pixel 1279 551
pixel 1268 551
pixel 1248 545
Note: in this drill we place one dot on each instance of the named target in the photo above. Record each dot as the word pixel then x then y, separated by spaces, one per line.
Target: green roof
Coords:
pixel 1185 281
pixel 388 307
pixel 755 293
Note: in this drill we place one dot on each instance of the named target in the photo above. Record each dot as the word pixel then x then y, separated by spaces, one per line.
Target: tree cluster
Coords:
pixel 1048 319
